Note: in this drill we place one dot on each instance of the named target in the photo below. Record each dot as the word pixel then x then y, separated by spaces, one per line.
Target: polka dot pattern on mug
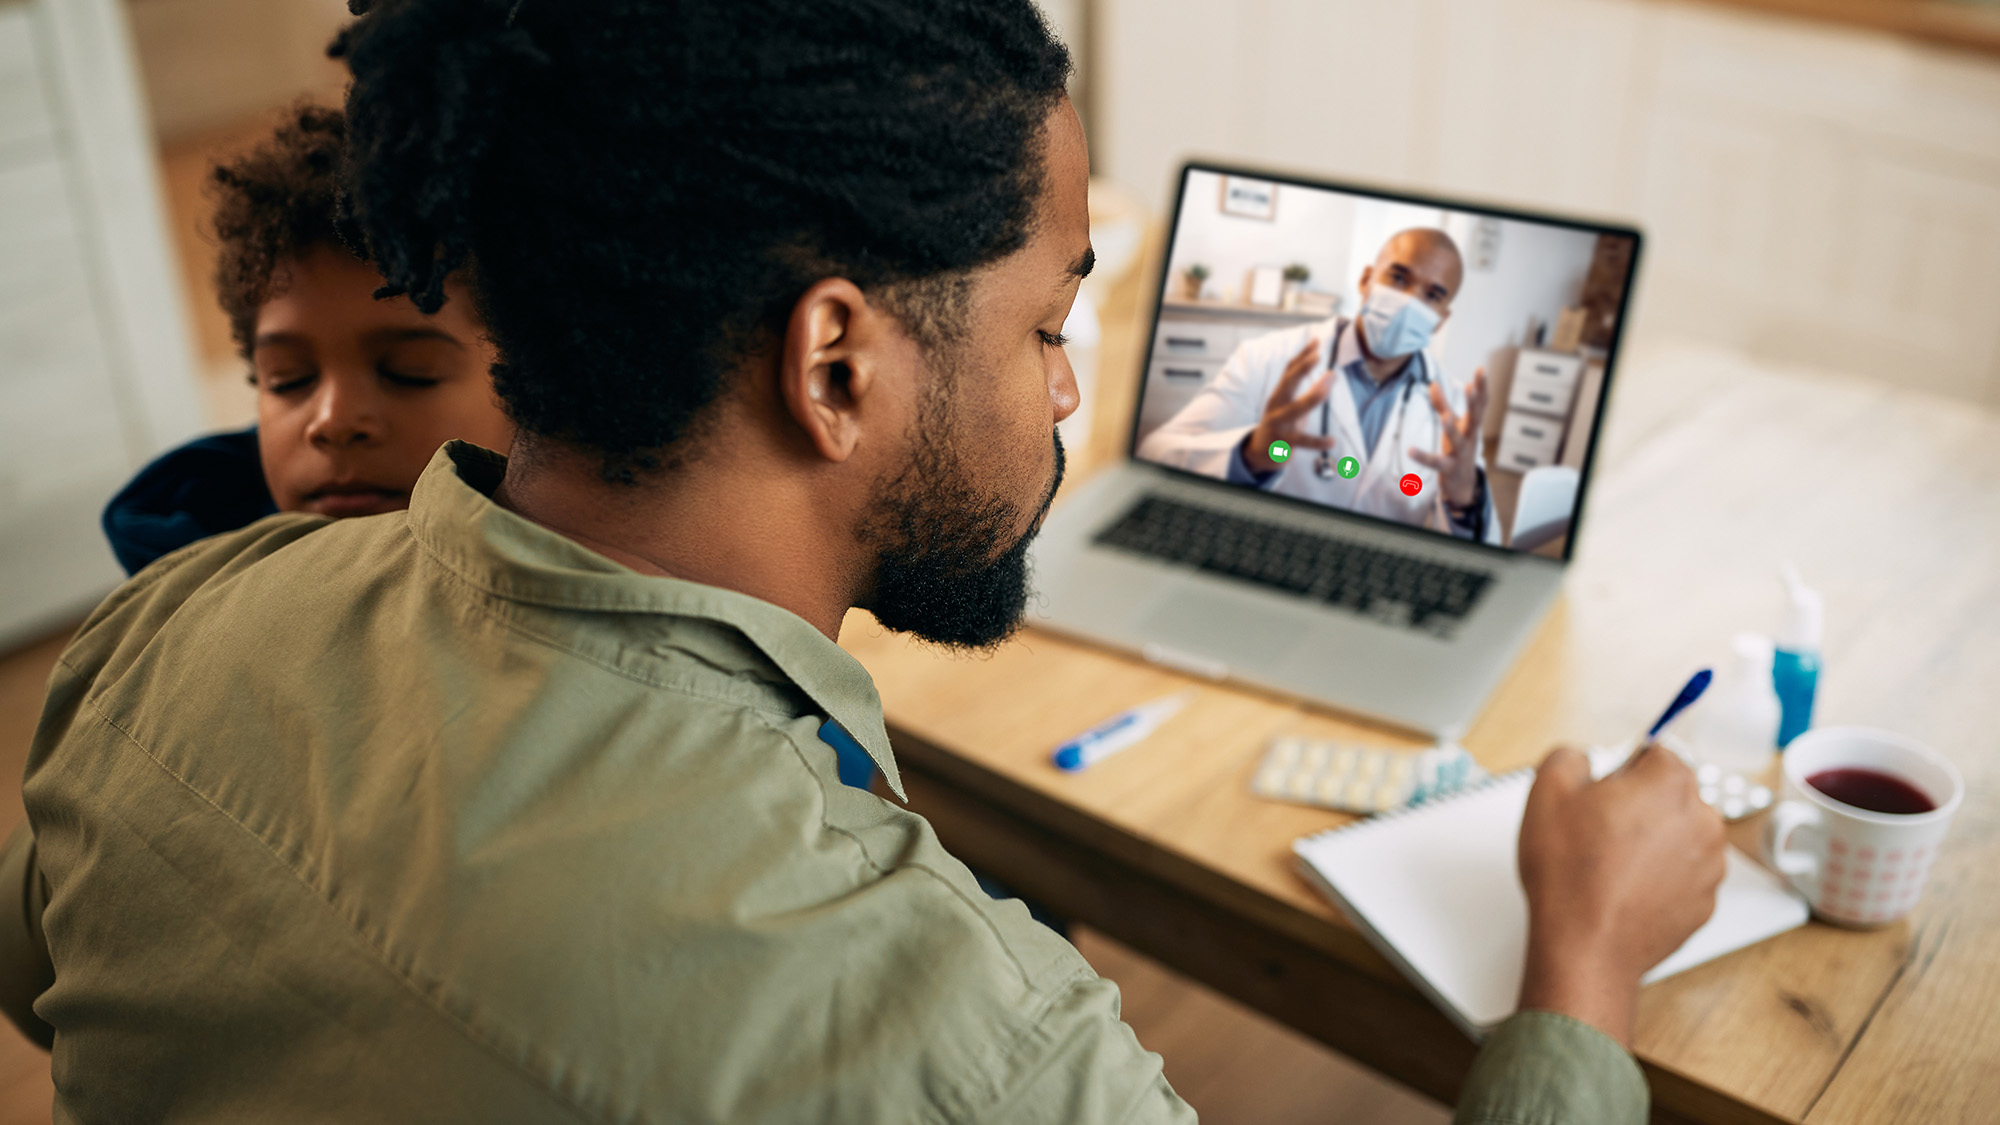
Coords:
pixel 1872 886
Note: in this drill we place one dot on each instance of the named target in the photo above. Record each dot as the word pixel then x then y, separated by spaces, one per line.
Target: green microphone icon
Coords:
pixel 1348 467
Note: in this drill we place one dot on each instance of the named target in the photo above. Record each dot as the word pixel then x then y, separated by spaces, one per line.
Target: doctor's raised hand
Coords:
pixel 1285 412
pixel 1457 462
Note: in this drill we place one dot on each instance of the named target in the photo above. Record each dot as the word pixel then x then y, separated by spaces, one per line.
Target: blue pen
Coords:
pixel 1696 684
pixel 1119 731
pixel 1610 760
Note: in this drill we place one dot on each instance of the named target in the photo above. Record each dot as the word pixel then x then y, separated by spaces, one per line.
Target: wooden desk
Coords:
pixel 1715 472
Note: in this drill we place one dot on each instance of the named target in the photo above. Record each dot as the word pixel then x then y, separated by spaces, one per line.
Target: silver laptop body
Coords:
pixel 1394 656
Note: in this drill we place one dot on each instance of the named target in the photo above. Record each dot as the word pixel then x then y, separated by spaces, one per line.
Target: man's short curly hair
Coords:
pixel 643 189
pixel 273 205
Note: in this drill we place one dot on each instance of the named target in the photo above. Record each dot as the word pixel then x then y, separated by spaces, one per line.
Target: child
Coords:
pixel 354 395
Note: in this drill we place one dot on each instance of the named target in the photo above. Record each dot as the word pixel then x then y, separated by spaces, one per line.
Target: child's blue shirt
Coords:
pixel 208 486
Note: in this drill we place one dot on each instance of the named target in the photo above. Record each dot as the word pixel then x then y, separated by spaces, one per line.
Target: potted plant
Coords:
pixel 1295 283
pixel 1192 278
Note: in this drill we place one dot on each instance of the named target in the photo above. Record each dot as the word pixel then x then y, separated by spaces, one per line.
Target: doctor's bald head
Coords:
pixel 1421 261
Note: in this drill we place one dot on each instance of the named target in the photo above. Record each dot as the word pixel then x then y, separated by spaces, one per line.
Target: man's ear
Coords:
pixel 1367 275
pixel 824 371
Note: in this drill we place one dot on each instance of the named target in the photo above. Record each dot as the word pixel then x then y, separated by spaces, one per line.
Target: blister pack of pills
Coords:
pixel 1356 778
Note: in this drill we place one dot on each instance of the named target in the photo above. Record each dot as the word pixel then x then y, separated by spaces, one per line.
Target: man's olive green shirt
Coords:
pixel 439 816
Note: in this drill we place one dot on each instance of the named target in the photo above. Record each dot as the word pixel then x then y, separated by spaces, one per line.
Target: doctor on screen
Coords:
pixel 1366 389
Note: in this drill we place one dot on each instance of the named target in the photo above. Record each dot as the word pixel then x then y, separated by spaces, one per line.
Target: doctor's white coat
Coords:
pixel 1203 436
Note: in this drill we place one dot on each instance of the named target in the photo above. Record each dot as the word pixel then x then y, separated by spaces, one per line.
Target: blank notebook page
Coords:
pixel 1435 890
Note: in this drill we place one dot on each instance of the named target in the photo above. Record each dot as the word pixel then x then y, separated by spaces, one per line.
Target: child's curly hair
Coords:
pixel 274 205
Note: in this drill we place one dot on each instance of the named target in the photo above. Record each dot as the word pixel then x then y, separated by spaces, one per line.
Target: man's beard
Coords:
pixel 945 570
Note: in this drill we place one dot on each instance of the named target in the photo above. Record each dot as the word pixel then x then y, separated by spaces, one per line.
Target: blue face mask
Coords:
pixel 1396 323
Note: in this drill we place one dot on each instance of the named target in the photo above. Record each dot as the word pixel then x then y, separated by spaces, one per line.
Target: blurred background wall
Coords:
pixel 206 64
pixel 1813 191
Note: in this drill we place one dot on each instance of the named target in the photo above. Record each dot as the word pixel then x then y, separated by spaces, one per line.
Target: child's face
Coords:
pixel 354 395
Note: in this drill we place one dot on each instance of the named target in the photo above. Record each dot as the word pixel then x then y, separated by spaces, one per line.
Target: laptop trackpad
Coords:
pixel 1236 631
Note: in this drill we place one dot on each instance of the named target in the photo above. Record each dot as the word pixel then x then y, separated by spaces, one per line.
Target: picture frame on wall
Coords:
pixel 1249 198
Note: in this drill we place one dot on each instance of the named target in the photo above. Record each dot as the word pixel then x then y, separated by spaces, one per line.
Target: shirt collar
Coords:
pixel 453 515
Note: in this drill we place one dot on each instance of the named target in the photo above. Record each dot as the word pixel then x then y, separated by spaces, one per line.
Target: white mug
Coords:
pixel 1856 867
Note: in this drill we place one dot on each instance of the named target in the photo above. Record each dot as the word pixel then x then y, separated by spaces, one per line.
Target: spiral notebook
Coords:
pixel 1434 888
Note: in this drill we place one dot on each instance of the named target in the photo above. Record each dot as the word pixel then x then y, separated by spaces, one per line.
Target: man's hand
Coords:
pixel 1285 416
pixel 1618 873
pixel 1459 434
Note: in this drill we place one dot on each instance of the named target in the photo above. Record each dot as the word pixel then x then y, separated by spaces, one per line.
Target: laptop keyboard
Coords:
pixel 1393 588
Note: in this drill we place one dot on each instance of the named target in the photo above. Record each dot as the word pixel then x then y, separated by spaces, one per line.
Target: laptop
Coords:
pixel 1293 510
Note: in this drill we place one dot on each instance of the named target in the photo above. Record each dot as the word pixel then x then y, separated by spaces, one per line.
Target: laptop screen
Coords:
pixel 1429 364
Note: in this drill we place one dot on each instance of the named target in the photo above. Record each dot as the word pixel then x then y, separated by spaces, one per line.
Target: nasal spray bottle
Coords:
pixel 1795 665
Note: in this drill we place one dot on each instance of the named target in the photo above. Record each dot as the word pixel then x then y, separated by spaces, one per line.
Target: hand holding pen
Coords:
pixel 1618 872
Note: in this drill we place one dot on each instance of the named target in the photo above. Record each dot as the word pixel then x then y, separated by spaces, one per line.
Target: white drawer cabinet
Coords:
pixel 1528 441
pixel 1170 385
pixel 1185 372
pixel 1187 354
pixel 1185 339
pixel 1544 382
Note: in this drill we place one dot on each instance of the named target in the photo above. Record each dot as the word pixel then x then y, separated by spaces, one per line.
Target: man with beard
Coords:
pixel 522 805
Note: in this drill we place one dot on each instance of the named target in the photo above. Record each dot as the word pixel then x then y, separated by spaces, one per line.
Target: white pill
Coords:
pixel 1733 807
pixel 1708 773
pixel 1760 797
pixel 1708 794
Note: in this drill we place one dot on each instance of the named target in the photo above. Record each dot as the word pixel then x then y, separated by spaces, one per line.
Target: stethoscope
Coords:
pixel 1323 465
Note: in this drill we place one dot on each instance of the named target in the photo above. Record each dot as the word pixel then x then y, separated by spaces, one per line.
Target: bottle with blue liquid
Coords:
pixel 1795 663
